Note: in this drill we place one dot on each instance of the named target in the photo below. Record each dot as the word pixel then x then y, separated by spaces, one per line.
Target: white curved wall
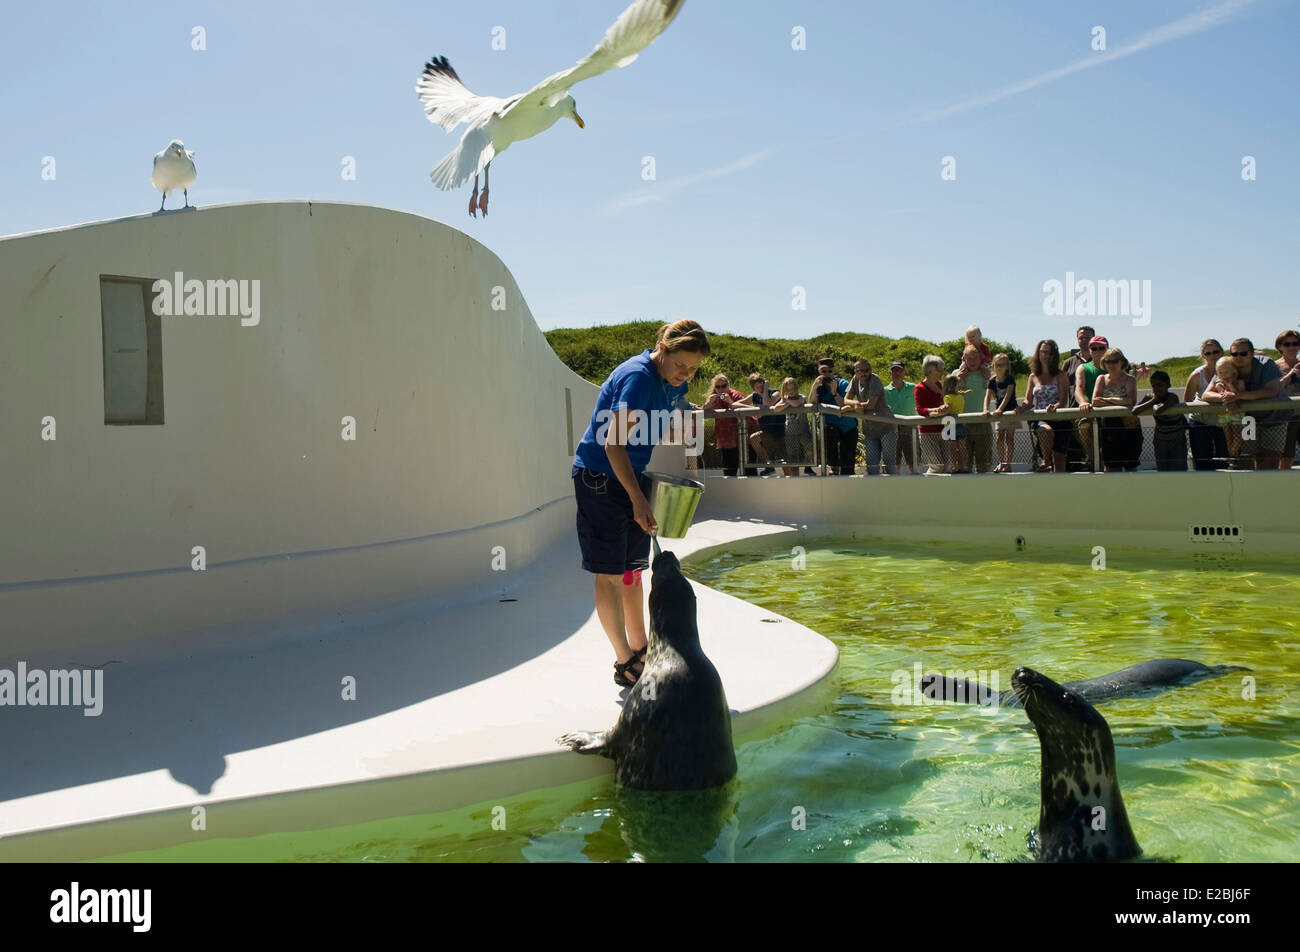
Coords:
pixel 367 312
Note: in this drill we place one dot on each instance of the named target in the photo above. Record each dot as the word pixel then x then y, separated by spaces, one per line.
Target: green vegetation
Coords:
pixel 592 352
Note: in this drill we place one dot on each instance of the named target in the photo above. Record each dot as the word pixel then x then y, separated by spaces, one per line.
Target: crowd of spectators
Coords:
pixel 1094 375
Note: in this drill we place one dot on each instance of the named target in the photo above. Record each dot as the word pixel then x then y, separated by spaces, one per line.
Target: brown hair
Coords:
pixel 1277 344
pixel 684 335
pixel 1036 363
pixel 1116 354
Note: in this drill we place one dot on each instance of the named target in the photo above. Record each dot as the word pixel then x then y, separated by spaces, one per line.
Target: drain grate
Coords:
pixel 1215 534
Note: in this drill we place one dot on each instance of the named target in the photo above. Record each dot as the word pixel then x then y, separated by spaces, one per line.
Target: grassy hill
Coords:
pixel 592 352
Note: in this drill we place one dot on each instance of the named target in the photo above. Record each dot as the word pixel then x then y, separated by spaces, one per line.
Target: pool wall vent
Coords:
pixel 1215 534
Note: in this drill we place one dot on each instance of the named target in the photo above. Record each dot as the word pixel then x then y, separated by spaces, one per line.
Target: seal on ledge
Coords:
pixel 674 732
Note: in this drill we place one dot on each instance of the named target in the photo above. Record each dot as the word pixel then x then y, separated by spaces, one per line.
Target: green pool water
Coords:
pixel 1208 775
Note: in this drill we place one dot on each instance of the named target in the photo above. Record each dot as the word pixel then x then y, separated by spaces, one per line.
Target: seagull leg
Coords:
pixel 473 200
pixel 164 202
pixel 187 197
pixel 482 202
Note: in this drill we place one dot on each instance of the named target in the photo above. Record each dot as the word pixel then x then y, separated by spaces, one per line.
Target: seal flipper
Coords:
pixel 587 742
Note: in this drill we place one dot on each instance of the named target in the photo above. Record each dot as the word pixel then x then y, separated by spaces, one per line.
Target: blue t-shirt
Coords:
pixel 845 423
pixel 636 385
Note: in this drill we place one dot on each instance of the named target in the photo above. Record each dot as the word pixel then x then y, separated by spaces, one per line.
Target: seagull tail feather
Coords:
pixel 465 161
pixel 443 174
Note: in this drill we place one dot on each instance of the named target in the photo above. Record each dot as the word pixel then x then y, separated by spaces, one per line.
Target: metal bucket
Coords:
pixel 673 499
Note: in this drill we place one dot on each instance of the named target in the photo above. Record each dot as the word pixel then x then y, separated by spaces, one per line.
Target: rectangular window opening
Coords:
pixel 568 416
pixel 132 338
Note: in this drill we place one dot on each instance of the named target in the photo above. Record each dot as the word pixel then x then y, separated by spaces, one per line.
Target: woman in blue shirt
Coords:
pixel 614 517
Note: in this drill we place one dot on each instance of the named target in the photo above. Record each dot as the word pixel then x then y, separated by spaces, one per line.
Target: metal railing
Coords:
pixel 1095 415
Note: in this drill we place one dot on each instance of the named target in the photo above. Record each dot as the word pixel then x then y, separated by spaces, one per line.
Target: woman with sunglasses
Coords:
pixel 1121 437
pixel 723 396
pixel 1209 445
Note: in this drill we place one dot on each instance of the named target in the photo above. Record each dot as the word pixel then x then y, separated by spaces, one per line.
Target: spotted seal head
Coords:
pixel 1082 817
pixel 674 732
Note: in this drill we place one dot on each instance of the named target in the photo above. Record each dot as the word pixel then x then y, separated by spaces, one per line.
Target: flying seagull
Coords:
pixel 173 167
pixel 495 123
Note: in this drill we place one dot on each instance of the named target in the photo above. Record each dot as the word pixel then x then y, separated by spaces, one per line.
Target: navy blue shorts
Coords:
pixel 611 541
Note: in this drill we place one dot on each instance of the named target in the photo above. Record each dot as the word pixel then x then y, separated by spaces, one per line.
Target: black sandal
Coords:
pixel 620 670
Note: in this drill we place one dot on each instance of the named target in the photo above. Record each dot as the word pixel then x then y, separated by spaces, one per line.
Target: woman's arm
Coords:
pixel 1097 399
pixel 1030 388
pixel 1062 387
pixel 619 462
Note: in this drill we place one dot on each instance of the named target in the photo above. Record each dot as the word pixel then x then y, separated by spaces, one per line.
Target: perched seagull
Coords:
pixel 173 167
pixel 495 123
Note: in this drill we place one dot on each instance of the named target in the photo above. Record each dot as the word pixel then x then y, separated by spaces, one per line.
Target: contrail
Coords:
pixel 664 190
pixel 1186 26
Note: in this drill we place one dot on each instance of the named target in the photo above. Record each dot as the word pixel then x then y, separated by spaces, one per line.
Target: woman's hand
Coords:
pixel 643 515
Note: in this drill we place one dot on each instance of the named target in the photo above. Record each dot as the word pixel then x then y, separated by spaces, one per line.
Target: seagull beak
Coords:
pixel 578 119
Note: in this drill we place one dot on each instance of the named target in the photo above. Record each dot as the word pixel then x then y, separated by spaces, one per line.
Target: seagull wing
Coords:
pixel 634 30
pixel 446 100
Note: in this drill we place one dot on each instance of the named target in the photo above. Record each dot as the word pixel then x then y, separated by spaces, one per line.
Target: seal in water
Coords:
pixel 1139 680
pixel 1082 816
pixel 674 732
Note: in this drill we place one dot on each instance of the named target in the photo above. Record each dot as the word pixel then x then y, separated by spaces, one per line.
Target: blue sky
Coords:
pixel 775 168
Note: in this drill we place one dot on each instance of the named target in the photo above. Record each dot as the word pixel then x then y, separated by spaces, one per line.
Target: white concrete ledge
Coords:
pixel 454 706
pixel 1150 510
